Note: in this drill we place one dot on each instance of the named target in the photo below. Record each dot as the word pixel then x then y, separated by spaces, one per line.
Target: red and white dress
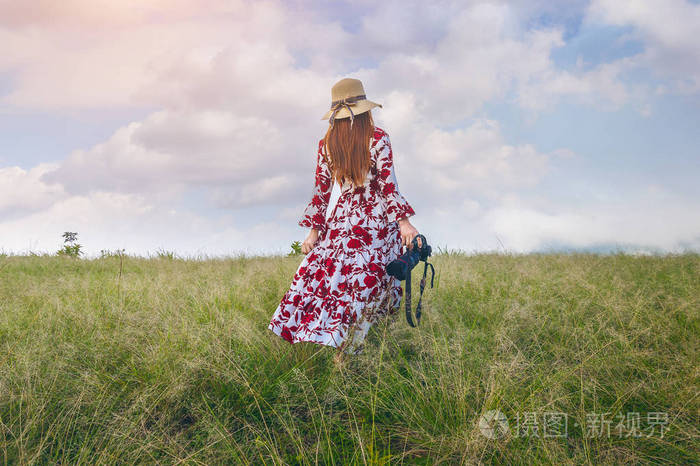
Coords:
pixel 341 286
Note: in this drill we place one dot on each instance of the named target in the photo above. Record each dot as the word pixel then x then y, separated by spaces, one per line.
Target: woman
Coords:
pixel 341 286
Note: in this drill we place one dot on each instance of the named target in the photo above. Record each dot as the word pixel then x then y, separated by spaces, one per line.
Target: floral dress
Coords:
pixel 341 286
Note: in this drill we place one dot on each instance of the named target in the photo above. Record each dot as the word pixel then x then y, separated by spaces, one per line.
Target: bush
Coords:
pixel 296 249
pixel 70 247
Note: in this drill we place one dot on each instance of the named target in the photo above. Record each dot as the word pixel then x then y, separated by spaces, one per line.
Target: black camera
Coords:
pixel 401 267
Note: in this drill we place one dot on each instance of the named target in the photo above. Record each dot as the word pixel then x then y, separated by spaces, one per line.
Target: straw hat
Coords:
pixel 348 99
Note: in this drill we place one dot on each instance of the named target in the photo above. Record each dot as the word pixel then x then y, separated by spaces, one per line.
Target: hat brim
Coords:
pixel 359 107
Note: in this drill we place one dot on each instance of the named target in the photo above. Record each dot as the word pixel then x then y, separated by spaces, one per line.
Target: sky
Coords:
pixel 192 126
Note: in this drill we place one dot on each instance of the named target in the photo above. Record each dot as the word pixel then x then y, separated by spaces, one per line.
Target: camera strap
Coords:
pixel 407 298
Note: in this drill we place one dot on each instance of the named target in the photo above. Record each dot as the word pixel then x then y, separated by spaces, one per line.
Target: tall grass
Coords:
pixel 167 360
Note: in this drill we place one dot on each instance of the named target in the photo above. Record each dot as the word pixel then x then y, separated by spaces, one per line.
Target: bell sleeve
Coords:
pixel 314 215
pixel 396 205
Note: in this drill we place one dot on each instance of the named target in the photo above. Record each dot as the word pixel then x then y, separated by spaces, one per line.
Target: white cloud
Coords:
pixel 172 150
pixel 113 221
pixel 523 230
pixel 233 117
pixel 667 28
pixel 241 56
pixel 236 114
pixel 600 86
pixel 260 191
pixel 23 191
pixel 469 161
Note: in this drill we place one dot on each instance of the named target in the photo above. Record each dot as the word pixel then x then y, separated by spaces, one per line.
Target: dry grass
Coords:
pixel 172 363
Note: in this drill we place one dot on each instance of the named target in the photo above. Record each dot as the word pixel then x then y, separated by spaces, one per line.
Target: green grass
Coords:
pixel 172 362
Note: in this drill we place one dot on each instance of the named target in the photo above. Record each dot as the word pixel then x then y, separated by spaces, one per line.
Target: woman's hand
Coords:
pixel 408 232
pixel 309 242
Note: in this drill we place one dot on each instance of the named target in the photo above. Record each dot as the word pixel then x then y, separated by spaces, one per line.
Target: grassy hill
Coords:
pixel 171 361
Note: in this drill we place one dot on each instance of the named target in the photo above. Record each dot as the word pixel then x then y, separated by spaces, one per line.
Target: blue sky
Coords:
pixel 531 125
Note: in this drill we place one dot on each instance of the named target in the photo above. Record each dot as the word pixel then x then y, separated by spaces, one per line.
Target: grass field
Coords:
pixel 171 362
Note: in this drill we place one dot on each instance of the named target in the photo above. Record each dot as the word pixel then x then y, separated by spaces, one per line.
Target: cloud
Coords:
pixel 522 228
pixel 234 117
pixel 172 150
pixel 87 54
pixel 246 56
pixel 668 30
pixel 94 13
pixel 601 86
pixel 23 191
pixel 261 191
pixel 235 92
pixel 464 162
pixel 110 221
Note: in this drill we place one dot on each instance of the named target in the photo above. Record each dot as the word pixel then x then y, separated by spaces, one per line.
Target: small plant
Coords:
pixel 164 254
pixel 296 249
pixel 104 253
pixel 70 246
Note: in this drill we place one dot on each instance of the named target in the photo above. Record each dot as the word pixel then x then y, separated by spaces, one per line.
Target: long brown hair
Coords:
pixel 347 149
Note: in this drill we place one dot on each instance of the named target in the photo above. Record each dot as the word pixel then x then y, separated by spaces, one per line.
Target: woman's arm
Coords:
pixel 398 209
pixel 310 241
pixel 314 215
pixel 396 205
pixel 408 232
